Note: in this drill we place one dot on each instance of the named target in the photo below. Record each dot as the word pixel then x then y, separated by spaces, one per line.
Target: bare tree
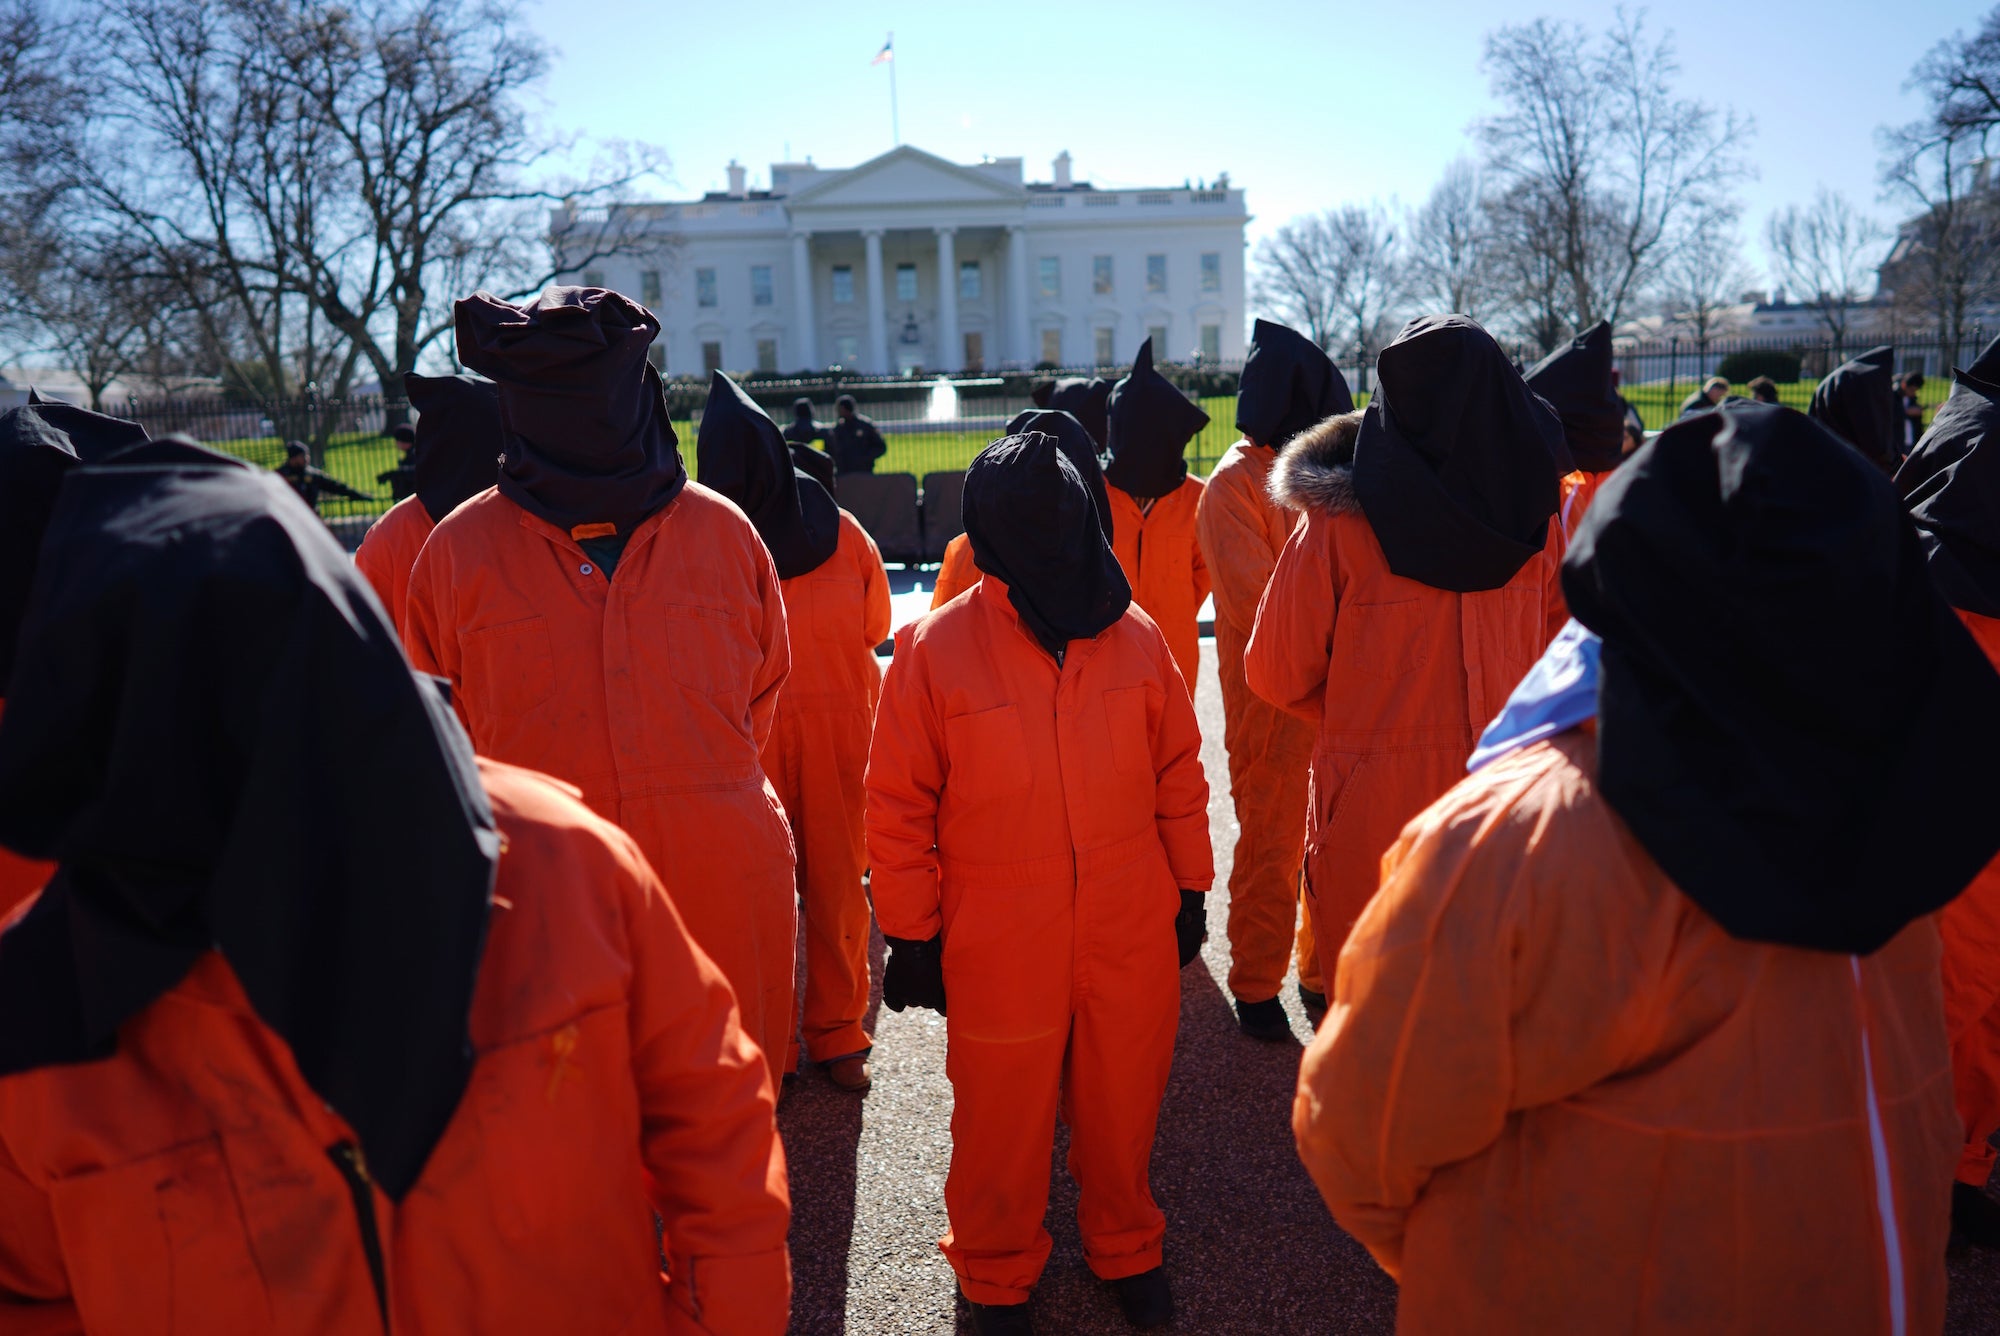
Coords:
pixel 1600 159
pixel 99 310
pixel 1297 277
pixel 41 106
pixel 1825 255
pixel 1450 245
pixel 1704 277
pixel 1526 264
pixel 1368 272
pixel 334 174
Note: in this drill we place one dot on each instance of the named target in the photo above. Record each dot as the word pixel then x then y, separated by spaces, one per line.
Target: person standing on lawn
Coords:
pixel 401 480
pixel 1288 385
pixel 457 454
pixel 1038 829
pixel 837 608
pixel 803 435
pixel 269 1065
pixel 854 443
pixel 604 619
pixel 1154 500
pixel 311 482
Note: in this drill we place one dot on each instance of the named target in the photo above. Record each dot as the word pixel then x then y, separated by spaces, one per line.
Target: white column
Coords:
pixel 1017 294
pixel 950 353
pixel 806 341
pixel 878 318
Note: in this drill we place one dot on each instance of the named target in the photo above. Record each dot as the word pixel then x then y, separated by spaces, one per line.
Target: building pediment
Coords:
pixel 905 176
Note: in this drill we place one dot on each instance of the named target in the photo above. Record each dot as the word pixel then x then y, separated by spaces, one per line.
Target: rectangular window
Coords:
pixel 649 287
pixel 1158 334
pixel 593 278
pixel 847 350
pixel 1104 349
pixel 1049 267
pixel 1211 271
pixel 975 350
pixel 1156 273
pixel 906 282
pixel 704 287
pixel 843 284
pixel 970 287
pixel 1100 275
pixel 711 357
pixel 1052 346
pixel 1211 343
pixel 767 354
pixel 760 285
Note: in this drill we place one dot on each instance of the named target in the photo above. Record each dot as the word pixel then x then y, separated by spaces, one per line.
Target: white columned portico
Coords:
pixel 949 353
pixel 878 318
pixel 807 352
pixel 1017 293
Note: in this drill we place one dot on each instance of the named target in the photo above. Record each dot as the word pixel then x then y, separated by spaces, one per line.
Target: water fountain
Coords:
pixel 943 405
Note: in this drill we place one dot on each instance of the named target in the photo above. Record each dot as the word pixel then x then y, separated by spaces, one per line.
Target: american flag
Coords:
pixel 886 54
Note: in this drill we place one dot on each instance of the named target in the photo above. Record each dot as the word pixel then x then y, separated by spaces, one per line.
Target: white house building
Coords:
pixel 908 262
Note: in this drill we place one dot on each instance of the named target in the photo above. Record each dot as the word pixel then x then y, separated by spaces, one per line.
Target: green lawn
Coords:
pixel 1659 402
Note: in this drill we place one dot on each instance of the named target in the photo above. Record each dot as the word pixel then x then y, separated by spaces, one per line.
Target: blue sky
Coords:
pixel 1306 105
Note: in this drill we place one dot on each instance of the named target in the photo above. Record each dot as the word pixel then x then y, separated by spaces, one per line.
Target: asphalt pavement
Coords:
pixel 1250 1248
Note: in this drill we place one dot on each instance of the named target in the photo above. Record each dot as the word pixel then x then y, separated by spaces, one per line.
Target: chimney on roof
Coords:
pixel 738 178
pixel 1061 165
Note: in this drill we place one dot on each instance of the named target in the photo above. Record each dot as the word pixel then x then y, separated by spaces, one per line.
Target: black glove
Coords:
pixel 1190 926
pixel 914 976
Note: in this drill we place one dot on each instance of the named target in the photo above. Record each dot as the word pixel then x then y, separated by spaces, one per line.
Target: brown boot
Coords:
pixel 850 1072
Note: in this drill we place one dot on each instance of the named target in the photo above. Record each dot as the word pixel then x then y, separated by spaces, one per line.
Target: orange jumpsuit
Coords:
pixel 1242 530
pixel 957 573
pixel 19 877
pixel 1044 820
pixel 1553 1095
pixel 1399 677
pixel 1162 561
pixel 185 1184
pixel 1971 928
pixel 816 758
pixel 1578 490
pixel 388 551
pixel 653 692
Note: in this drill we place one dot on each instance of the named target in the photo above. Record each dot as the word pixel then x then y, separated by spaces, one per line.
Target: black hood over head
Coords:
pixel 95 435
pixel 1085 398
pixel 741 453
pixel 1073 439
pixel 459 439
pixel 1150 425
pixel 1578 383
pixel 1288 384
pixel 35 455
pixel 1951 484
pixel 1455 462
pixel 1033 525
pixel 1790 720
pixel 588 441
pixel 211 717
pixel 1857 403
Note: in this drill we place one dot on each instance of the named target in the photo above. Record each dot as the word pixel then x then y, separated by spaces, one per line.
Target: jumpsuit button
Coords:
pixel 584 569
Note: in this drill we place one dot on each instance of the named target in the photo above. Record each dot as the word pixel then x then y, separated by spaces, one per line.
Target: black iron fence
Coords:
pixel 936 424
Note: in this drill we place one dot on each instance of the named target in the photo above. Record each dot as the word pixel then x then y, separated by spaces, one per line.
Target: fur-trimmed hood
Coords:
pixel 1316 469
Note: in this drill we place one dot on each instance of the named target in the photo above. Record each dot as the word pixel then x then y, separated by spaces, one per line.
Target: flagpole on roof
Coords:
pixel 887 55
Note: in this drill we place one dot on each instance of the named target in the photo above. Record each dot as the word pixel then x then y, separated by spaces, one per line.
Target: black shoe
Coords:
pixel 1314 1003
pixel 1264 1020
pixel 1000 1319
pixel 1975 1217
pixel 1145 1298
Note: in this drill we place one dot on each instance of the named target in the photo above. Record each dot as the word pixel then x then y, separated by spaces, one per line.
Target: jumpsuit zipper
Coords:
pixel 346 1157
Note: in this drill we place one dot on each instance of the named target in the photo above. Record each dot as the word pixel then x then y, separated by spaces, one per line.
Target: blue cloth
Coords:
pixel 1558 693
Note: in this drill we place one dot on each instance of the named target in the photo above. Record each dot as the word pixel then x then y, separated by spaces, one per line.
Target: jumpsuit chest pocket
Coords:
pixel 1383 641
pixel 510 669
pixel 1131 737
pixel 708 649
pixel 988 753
pixel 836 611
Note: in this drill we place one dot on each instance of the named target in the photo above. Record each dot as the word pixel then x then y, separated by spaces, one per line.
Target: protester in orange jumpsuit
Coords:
pixel 603 619
pixel 1038 829
pixel 1580 383
pixel 1153 504
pixel 266 1065
pixel 1857 403
pixel 837 608
pixel 1288 385
pixel 1642 1032
pixel 1951 485
pixel 1418 588
pixel 39 443
pixel 959 573
pixel 458 446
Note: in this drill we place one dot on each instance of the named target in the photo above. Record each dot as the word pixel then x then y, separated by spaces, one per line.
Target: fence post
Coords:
pixel 1673 374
